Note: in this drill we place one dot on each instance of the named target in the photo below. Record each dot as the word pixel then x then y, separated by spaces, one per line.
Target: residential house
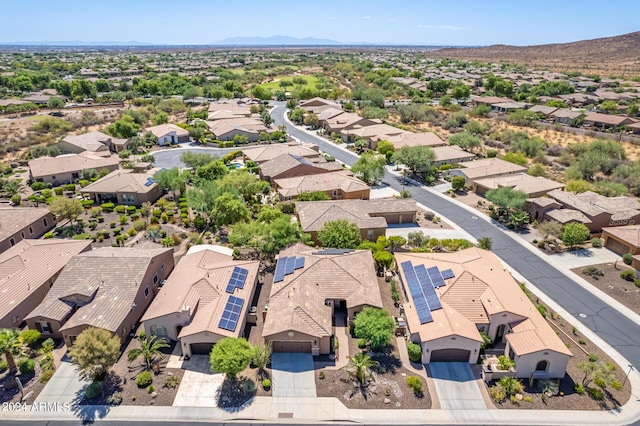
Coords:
pixel 93 142
pixel 168 134
pixel 19 223
pixel 288 165
pixel 318 105
pixel 606 121
pixel 371 216
pixel 543 111
pixel 124 186
pixel 312 290
pixel 510 106
pixel 68 168
pixel 451 154
pixel 207 297
pixel 263 153
pixel 29 269
pixel 108 288
pixel 533 186
pixel 227 129
pixel 368 133
pixel 488 100
pixel 485 168
pixel 228 108
pixel 566 116
pixel 622 239
pixel 339 185
pixel 594 210
pixel 343 121
pixel 452 297
pixel 412 139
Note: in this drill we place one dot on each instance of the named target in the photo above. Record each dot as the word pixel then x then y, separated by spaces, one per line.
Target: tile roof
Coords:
pixel 340 180
pixel 593 204
pixel 568 215
pixel 451 152
pixel 46 166
pixel 488 167
pixel 29 264
pixel 264 153
pixel 521 182
pixel 629 234
pixel 297 303
pixel 416 139
pixel 123 180
pixel 163 129
pixel 284 162
pixel 13 219
pixel 91 141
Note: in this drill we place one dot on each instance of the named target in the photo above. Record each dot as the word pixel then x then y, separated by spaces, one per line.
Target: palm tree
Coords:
pixel 10 344
pixel 261 356
pixel 359 366
pixel 149 349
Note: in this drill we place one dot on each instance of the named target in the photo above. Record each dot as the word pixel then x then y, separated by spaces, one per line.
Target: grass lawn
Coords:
pixel 274 86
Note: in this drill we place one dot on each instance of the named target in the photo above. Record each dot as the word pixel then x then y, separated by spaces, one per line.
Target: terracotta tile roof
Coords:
pixel 297 303
pixel 340 180
pixel 163 129
pixel 451 153
pixel 264 153
pixel 92 141
pixel 123 180
pixel 521 182
pixel 488 167
pixel 568 215
pixel 416 139
pixel 592 204
pixel 284 162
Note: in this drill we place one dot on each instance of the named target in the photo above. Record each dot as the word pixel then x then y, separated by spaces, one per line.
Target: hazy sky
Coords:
pixel 457 22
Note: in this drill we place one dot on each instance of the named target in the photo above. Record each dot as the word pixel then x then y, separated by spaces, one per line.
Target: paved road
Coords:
pixel 613 327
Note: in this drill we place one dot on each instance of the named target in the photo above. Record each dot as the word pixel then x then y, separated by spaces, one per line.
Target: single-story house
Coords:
pixel 262 153
pixel 288 165
pixel 68 168
pixel 228 108
pixel 594 210
pixel 124 186
pixel 543 110
pixel 318 105
pixel 310 287
pixel 368 133
pixel 539 206
pixel 227 129
pixel 485 168
pixel 108 288
pixel 533 186
pixel 19 223
pixel 412 139
pixel 343 121
pixel 339 185
pixel 488 100
pixel 565 115
pixel 168 134
pixel 207 297
pixel 29 269
pixel 606 121
pixel 622 239
pixel 452 297
pixel 93 142
pixel 371 216
pixel 451 154
pixel 510 106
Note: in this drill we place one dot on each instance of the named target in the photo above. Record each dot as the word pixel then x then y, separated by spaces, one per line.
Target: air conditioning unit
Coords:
pixel 253 309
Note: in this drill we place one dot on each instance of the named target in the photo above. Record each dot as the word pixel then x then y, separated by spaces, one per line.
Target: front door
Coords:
pixel 500 333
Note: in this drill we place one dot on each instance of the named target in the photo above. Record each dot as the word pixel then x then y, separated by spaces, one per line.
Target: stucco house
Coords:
pixel 18 223
pixel 91 141
pixel 533 186
pixel 311 289
pixel 227 129
pixel 452 297
pixel 207 297
pixel 485 168
pixel 168 134
pixel 68 168
pixel 124 186
pixel 340 185
pixel 289 165
pixel 108 288
pixel 318 105
pixel 29 269
pixel 262 153
pixel 622 239
pixel 371 216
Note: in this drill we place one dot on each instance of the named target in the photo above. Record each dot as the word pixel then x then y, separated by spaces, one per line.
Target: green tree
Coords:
pixel 359 366
pixel 10 345
pixel 384 259
pixel 396 241
pixel 149 350
pixel 598 372
pixel 458 183
pixel 194 160
pixel 507 198
pixel 460 92
pixel 229 209
pixel 518 219
pixel 94 352
pixel 55 103
pixel 311 120
pixel 201 198
pixel 340 234
pixel 385 147
pixel 170 179
pixel 211 171
pixel 538 170
pixel 313 196
pixel 609 107
pixel 375 326
pixel 416 158
pixel 66 208
pixel 124 128
pixel 160 118
pixel 550 227
pixel 230 356
pixel 247 185
pixel 575 234
pixel 369 167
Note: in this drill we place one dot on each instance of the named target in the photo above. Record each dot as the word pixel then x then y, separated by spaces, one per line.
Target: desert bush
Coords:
pixel 46 376
pixel 266 383
pixel 628 275
pixel 596 242
pixel 596 394
pixel 151 389
pixel 115 399
pixel 592 271
pixel 171 382
pixel 627 258
pixel 415 384
pixel 93 390
pixel 107 207
pixel 27 366
pixel 497 393
pixel 144 379
pixel 362 343
pixel 3 365
pixel 415 352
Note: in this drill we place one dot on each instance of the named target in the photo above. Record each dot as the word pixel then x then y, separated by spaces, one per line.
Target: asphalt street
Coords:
pixel 614 328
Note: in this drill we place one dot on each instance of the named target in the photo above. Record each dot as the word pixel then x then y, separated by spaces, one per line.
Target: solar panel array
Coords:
pixel 428 286
pixel 238 277
pixel 150 181
pixel 332 251
pixel 419 299
pixel 422 283
pixel 286 266
pixel 447 273
pixel 231 313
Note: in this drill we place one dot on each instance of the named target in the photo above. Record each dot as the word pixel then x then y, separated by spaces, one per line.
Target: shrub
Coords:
pixel 46 375
pixel 628 275
pixel 131 232
pixel 627 258
pixel 58 191
pixel 120 209
pixel 48 235
pixel 415 352
pixel 144 379
pixel 47 345
pixel 266 383
pixel 497 393
pixel 415 384
pixel 38 186
pixel 46 362
pixel 579 388
pixel 107 207
pixel 16 199
pixel 171 382
pixel 70 187
pixel 115 399
pixel 492 153
pixel 151 389
pixel 429 215
pixel 592 271
pixel 362 343
pixel 596 242
pixel 29 337
pixel 321 376
pixel 27 366
pixel 93 390
pixel 3 365
pixel 505 363
pixel 596 394
pixel 542 310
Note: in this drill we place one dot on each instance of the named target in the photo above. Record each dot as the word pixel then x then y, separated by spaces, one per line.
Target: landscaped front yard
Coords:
pixel 625 292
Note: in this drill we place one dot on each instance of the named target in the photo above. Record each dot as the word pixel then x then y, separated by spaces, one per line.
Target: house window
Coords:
pixel 370 234
pixel 30 230
pixel 12 242
pixel 335 192
pixel 128 198
pixel 146 291
pixel 155 279
pixel 44 327
pixel 22 234
pixel 44 222
pixel 162 267
pixel 542 366
pixel 75 175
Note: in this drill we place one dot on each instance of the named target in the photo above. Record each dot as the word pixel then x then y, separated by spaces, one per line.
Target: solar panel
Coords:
pixel 239 275
pixel 432 297
pixel 423 276
pixel 332 251
pixel 231 313
pixel 299 262
pixel 419 301
pixel 231 288
pixel 279 273
pixel 447 273
pixel 290 266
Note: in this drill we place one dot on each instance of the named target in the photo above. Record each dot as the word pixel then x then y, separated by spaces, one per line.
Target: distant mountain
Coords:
pixel 277 40
pixel 76 43
pixel 617 54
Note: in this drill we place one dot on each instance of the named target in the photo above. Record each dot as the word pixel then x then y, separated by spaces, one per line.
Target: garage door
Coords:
pixel 304 347
pixel 450 355
pixel 201 348
pixel 617 247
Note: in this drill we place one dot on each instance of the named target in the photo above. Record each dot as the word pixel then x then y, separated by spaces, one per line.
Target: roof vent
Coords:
pixel 185 308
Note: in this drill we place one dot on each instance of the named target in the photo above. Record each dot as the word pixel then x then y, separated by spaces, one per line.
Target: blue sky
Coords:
pixel 461 22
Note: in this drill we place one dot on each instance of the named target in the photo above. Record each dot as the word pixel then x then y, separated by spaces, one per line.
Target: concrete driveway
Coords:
pixel 199 386
pixel 456 386
pixel 293 375
pixel 584 257
pixel 64 386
